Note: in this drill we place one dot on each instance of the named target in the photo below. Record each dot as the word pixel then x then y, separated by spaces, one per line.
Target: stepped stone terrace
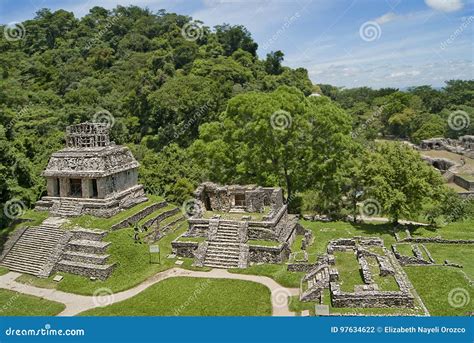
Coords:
pixel 91 175
pixel 225 221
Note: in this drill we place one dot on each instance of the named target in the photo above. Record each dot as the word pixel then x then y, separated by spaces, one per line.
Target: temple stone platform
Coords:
pixel 91 175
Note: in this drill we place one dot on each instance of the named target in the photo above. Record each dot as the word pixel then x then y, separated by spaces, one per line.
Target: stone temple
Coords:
pixel 91 175
pixel 229 223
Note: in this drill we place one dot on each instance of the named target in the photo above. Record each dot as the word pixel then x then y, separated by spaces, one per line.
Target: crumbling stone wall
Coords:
pixel 436 240
pixel 139 215
pixel 223 198
pixel 276 199
pixel 464 183
pixel 258 253
pixel 366 299
pixel 367 295
pixel 184 249
pixel 261 233
pixel 255 200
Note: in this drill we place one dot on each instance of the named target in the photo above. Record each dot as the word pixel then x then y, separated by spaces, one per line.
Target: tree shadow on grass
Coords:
pixel 388 228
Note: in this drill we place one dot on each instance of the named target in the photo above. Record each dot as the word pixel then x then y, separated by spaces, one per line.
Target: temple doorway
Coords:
pixel 76 188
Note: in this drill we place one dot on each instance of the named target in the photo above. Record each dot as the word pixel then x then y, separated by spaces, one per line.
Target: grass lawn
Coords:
pixel 277 272
pixel 3 270
pixel 296 246
pixel 324 232
pixel 171 219
pixel 17 304
pixel 405 249
pixel 458 230
pixel 385 283
pixel 434 285
pixel 191 239
pixel 155 213
pixel 460 254
pixel 466 168
pixel 132 268
pixel 349 270
pixel 88 221
pixel 186 296
pixel 263 242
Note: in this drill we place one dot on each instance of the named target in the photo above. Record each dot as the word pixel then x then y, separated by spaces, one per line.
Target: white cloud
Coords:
pixel 397 74
pixel 387 17
pixel 445 5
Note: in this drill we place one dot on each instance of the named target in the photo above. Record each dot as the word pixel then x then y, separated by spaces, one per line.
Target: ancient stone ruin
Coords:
pixel 238 198
pixel 91 175
pixel 464 145
pixel 226 217
pixel 325 275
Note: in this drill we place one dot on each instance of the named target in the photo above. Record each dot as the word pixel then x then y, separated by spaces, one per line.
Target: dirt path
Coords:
pixel 76 304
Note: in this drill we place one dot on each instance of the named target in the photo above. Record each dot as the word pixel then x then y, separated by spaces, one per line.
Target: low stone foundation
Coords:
pixel 261 233
pixel 436 240
pixel 300 267
pixel 184 249
pixel 260 253
pixel 325 275
pixel 101 272
pixel 369 298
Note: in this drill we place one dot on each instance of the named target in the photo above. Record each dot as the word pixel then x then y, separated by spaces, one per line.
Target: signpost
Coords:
pixel 155 249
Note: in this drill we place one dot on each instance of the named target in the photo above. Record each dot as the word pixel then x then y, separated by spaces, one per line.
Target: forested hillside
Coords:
pixel 418 113
pixel 151 76
pixel 196 103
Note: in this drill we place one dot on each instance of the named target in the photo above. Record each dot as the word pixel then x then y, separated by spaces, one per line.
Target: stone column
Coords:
pixel 86 188
pixel 50 186
pixel 101 188
pixel 64 187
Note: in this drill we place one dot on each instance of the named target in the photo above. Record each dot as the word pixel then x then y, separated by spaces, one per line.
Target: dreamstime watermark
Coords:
pixel 12 300
pixel 200 112
pixel 191 208
pixel 286 25
pixel 281 120
pixel 103 297
pixel 370 31
pixel 104 117
pixel 46 331
pixel 192 31
pixel 14 31
pixel 466 22
pixel 14 208
pixel 369 121
pixel 24 110
pixel 280 297
pixel 103 31
pixel 370 208
pixel 201 287
pixel 459 120
pixel 458 297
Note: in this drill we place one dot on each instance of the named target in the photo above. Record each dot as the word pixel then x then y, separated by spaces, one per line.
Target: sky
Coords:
pixel 350 43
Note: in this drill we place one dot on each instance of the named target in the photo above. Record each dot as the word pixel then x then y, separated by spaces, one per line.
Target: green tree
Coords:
pixel 400 181
pixel 273 62
pixel 279 138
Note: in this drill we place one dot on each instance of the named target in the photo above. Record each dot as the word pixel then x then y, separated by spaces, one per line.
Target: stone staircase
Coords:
pixel 224 249
pixel 66 208
pixel 85 254
pixel 37 250
pixel 316 280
